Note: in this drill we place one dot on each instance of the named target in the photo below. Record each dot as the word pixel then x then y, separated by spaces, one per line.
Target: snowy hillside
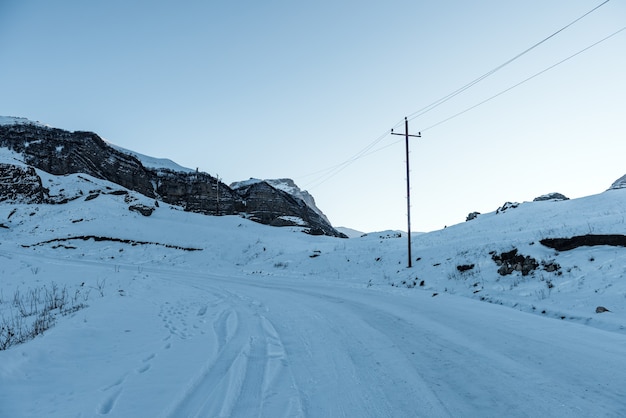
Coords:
pixel 152 162
pixel 177 314
pixel 12 120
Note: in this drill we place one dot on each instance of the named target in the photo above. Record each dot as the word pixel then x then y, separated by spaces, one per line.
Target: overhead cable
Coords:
pixel 524 81
pixel 472 83
pixel 334 170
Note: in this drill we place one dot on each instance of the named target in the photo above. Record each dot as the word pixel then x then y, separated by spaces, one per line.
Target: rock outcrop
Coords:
pixel 274 206
pixel 589 240
pixel 61 152
pixel 507 206
pixel 20 185
pixel 471 216
pixel 289 186
pixel 620 183
pixel 550 196
pixel 196 192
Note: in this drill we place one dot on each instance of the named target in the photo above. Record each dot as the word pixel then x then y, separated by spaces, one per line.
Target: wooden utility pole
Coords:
pixel 408 186
pixel 217 198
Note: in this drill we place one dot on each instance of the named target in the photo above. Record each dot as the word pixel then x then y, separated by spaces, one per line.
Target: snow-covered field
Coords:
pixel 184 315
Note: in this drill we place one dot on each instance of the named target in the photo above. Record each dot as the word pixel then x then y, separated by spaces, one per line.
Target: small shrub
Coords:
pixel 34 312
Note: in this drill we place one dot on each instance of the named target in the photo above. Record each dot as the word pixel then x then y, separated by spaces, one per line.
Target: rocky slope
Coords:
pixel 20 184
pixel 60 152
pixel 619 183
pixel 264 199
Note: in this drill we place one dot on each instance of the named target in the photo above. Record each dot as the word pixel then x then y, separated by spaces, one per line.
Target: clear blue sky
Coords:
pixel 272 89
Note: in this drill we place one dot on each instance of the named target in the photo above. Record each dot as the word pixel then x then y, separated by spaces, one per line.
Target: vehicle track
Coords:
pixel 249 370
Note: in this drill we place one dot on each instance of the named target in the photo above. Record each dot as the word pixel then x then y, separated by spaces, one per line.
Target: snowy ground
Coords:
pixel 271 322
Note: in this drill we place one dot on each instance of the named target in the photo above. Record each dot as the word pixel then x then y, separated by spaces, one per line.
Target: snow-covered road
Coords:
pixel 185 344
pixel 301 349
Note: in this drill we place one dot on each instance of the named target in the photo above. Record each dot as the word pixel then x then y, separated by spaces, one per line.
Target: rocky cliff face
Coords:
pixel 196 192
pixel 61 152
pixel 288 185
pixel 20 185
pixel 272 205
pixel 550 196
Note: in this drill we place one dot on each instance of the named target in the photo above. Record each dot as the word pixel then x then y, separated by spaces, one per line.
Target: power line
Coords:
pixel 524 81
pixel 336 169
pixel 460 90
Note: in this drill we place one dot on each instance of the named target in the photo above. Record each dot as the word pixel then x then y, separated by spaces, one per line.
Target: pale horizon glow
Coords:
pixel 282 90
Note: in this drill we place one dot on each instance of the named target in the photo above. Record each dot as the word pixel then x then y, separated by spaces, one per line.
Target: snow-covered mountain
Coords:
pixel 61 152
pixel 153 162
pixel 105 311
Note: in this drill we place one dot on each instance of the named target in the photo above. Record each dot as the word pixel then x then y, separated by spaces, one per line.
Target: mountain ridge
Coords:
pixel 60 152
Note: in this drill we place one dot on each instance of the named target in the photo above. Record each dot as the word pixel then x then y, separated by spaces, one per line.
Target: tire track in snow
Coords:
pixel 181 319
pixel 278 379
pixel 463 360
pixel 348 367
pixel 248 373
pixel 225 327
pixel 209 390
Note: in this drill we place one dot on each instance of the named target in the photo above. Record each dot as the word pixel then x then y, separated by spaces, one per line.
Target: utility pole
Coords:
pixel 408 186
pixel 217 200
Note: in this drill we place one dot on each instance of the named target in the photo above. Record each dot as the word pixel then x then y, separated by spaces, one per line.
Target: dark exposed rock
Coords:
pixel 142 209
pixel 289 186
pixel 91 196
pixel 60 152
pixel 98 238
pixel 511 261
pixel 269 205
pixel 507 206
pixel 471 216
pixel 550 266
pixel 118 193
pixel 197 192
pixel 566 244
pixel 20 185
pixel 550 196
pixel 464 267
